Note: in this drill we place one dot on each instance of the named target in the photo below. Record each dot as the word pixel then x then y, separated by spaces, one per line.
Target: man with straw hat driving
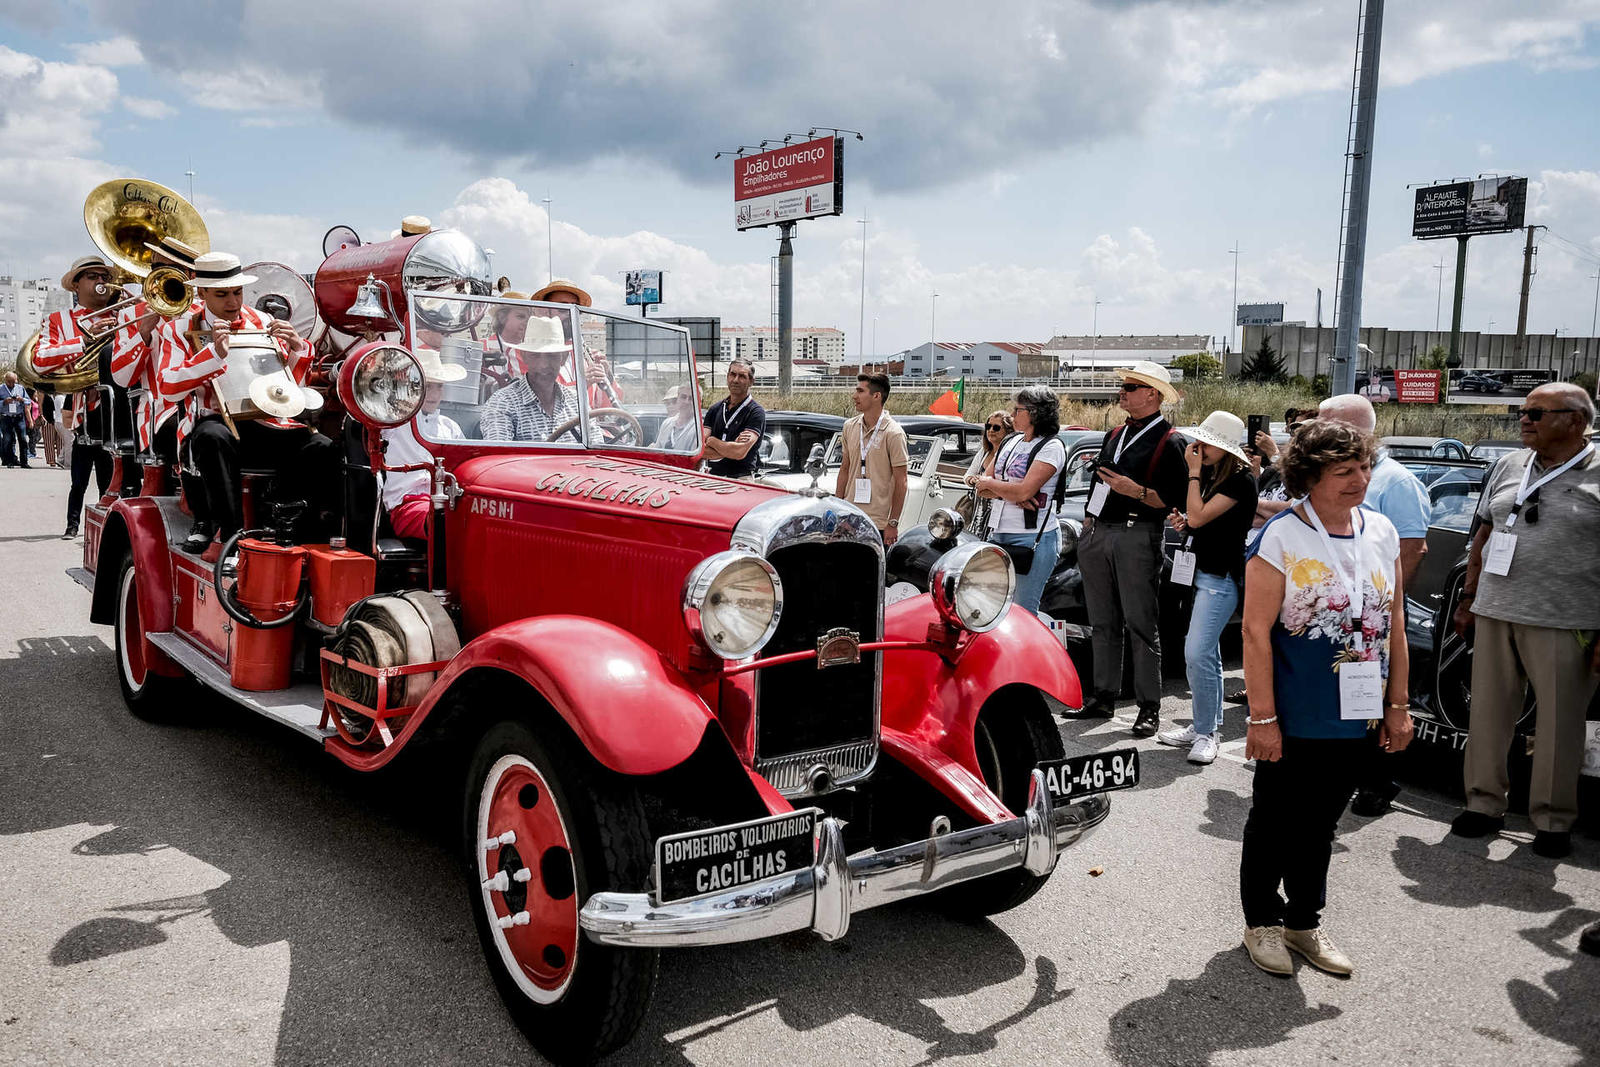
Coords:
pixel 1140 475
pixel 406 493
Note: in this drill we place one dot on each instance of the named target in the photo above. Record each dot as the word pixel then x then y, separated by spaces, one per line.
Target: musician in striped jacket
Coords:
pixel 61 343
pixel 155 422
pixel 302 459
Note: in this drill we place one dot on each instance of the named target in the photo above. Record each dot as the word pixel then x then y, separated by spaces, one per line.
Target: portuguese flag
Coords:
pixel 953 400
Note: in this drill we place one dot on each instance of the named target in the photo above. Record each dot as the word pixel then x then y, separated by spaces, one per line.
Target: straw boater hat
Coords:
pixel 79 265
pixel 174 250
pixel 413 225
pixel 543 335
pixel 220 270
pixel 561 285
pixel 435 370
pixel 1225 430
pixel 1154 375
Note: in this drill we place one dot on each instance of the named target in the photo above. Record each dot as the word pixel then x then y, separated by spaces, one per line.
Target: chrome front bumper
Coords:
pixel 824 896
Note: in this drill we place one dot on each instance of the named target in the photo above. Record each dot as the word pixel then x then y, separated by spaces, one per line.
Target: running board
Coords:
pixel 299 707
pixel 82 577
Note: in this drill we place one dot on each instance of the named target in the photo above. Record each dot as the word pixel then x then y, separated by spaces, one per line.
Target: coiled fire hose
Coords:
pixel 388 630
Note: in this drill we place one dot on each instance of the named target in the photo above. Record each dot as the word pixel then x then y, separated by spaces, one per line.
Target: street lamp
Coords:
pixel 861 334
pixel 933 319
pixel 1234 314
pixel 1094 337
pixel 549 241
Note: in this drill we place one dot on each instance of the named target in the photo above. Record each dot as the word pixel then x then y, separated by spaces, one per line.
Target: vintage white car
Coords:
pixel 925 490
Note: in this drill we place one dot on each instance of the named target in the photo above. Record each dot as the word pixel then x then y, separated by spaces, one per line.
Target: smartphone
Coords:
pixel 1255 424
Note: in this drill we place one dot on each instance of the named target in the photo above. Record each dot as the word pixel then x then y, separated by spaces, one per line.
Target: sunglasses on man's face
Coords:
pixel 1535 414
pixel 1133 387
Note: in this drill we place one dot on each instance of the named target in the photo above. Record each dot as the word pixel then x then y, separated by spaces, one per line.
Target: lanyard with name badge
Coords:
pixel 863 483
pixel 1183 563
pixel 1101 491
pixel 1503 543
pixel 1360 681
pixel 729 416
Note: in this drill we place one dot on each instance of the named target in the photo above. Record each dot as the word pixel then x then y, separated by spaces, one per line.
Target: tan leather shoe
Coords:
pixel 1265 945
pixel 1319 951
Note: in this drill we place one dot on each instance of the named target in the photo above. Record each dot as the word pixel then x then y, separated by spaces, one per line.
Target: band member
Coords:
pixel 533 405
pixel 61 343
pixel 184 372
pixel 406 492
pixel 603 389
pixel 155 421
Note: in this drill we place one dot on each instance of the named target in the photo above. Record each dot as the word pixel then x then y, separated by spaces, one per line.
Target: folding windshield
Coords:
pixel 555 375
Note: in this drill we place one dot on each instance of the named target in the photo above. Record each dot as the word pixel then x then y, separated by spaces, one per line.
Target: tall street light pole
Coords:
pixel 1594 319
pixel 861 329
pixel 933 332
pixel 549 242
pixel 1233 315
pixel 1094 337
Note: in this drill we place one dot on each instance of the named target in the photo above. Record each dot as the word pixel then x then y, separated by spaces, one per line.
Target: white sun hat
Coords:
pixel 1154 375
pixel 1224 430
pixel 220 270
pixel 436 370
pixel 544 335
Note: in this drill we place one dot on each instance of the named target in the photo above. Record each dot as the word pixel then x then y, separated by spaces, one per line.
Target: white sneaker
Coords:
pixel 1204 749
pixel 1265 945
pixel 1177 738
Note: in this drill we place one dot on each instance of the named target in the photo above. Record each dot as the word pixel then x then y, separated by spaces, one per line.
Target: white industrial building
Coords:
pixel 757 343
pixel 1087 351
pixel 24 302
pixel 978 359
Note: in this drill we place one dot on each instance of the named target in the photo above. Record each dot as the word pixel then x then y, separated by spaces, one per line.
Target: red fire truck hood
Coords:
pixel 606 484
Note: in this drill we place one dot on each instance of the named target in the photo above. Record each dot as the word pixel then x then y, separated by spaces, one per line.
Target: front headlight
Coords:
pixel 972 586
pixel 732 602
pixel 945 524
pixel 381 384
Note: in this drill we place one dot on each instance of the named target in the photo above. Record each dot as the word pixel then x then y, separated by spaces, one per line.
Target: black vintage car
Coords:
pixel 790 437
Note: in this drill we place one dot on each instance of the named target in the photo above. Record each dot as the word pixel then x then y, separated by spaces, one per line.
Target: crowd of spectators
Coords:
pixel 30 420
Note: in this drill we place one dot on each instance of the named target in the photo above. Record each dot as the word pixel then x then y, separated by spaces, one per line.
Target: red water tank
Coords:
pixel 445 261
pixel 268 586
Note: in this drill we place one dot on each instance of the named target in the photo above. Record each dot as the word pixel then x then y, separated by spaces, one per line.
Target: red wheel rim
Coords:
pixel 539 953
pixel 133 665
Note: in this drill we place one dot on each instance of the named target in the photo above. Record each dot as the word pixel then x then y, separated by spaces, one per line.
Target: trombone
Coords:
pixel 167 292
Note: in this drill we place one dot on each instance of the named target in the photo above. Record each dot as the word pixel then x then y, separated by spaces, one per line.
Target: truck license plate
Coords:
pixel 1101 772
pixel 704 862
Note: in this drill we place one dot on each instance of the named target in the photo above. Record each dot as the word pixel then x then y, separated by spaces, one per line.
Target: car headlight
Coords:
pixel 732 602
pixel 1071 530
pixel 972 586
pixel 945 524
pixel 381 384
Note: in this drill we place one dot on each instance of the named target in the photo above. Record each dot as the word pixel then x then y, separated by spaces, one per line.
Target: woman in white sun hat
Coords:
pixel 1215 520
pixel 406 493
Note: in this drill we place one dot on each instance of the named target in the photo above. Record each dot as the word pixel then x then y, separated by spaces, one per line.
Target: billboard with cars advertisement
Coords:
pixel 800 181
pixel 641 287
pixel 1461 209
pixel 1496 385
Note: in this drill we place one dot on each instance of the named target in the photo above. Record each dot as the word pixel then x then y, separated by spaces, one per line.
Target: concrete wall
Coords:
pixel 1305 349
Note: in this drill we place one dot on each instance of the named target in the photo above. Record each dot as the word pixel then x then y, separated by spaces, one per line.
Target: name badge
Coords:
pixel 1497 555
pixel 863 491
pixel 1182 567
pixel 1360 690
pixel 1097 498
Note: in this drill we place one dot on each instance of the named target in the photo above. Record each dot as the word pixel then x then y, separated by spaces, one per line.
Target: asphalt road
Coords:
pixel 222 892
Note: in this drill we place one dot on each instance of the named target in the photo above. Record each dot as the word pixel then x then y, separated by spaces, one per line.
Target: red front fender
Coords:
pixel 134 527
pixel 628 706
pixel 937 703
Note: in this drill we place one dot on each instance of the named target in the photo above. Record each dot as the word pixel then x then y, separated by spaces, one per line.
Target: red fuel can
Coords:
pixel 268 586
pixel 339 578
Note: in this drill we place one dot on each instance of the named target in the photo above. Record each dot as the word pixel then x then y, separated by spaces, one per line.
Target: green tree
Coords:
pixel 1435 359
pixel 1199 365
pixel 1264 365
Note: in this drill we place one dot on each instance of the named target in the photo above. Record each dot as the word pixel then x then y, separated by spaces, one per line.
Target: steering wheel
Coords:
pixel 227 595
pixel 626 429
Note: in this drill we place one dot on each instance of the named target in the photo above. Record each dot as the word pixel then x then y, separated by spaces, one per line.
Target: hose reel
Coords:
pixel 392 630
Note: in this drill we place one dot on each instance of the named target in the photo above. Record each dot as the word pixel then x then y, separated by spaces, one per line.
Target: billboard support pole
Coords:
pixel 1455 308
pixel 1519 356
pixel 785 307
pixel 1347 318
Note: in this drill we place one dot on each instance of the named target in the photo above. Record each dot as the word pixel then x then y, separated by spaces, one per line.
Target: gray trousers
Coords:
pixel 1121 568
pixel 1506 658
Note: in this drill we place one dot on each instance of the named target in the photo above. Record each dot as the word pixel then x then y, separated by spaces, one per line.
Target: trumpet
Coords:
pixel 99 325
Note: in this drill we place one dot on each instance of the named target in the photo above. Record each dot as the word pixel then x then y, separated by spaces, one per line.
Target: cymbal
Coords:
pixel 276 395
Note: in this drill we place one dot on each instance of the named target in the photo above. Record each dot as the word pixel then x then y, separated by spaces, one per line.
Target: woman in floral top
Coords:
pixel 1326 667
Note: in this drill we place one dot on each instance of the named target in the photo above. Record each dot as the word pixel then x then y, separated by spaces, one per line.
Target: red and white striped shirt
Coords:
pixel 60 340
pixel 132 368
pixel 184 373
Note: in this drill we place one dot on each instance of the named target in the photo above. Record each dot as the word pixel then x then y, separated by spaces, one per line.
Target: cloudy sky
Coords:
pixel 1022 159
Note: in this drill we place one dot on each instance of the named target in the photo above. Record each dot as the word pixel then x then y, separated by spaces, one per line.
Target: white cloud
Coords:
pixel 113 52
pixel 146 108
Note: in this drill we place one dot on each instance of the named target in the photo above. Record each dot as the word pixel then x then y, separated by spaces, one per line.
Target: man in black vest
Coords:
pixel 1141 475
pixel 734 426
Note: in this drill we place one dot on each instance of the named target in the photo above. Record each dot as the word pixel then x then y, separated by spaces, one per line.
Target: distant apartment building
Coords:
pixel 761 343
pixel 24 302
pixel 979 359
pixel 1087 351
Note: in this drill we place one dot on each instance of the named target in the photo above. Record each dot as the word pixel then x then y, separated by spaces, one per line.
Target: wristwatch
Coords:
pixel 895 523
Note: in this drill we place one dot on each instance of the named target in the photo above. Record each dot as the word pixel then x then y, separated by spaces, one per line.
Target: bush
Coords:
pixel 1198 365
pixel 1435 359
pixel 1264 365
pixel 1584 380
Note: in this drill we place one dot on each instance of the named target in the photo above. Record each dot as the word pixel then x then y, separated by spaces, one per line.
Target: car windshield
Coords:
pixel 1454 501
pixel 507 371
pixel 917 452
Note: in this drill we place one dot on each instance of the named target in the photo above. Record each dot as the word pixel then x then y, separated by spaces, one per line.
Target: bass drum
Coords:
pixel 280 292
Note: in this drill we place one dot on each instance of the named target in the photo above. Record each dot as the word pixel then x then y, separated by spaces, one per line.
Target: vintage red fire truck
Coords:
pixel 678 709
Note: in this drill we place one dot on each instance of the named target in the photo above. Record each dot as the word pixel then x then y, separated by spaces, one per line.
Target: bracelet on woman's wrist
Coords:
pixel 1262 722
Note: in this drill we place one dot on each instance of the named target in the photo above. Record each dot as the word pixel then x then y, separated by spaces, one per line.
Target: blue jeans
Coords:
pixel 1214 601
pixel 1030 586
